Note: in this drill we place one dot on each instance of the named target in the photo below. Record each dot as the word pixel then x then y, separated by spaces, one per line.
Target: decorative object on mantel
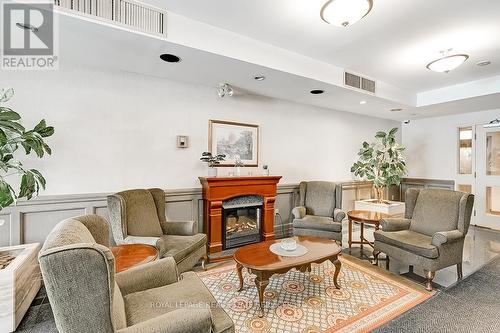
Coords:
pixel 213 161
pixel 381 162
pixel 238 164
pixel 20 281
pixel 12 136
pixel 234 139
pixel 265 170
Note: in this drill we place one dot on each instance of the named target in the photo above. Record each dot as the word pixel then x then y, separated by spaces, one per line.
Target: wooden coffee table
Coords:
pixel 259 260
pixel 131 255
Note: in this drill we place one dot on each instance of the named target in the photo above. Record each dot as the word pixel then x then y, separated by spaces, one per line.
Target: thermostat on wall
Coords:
pixel 182 141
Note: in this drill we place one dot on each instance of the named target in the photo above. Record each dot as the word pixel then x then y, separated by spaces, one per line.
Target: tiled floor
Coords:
pixel 481 246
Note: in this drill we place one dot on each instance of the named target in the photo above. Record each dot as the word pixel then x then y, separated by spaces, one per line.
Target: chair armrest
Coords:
pixel 181 228
pixel 443 237
pixel 338 215
pixel 148 276
pixel 395 224
pixel 176 321
pixel 299 212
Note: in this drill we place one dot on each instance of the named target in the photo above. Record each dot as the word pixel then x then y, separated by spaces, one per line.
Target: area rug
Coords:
pixel 309 302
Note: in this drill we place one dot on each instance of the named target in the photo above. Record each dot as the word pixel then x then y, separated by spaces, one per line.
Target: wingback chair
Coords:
pixel 86 295
pixel 138 216
pixel 432 233
pixel 319 213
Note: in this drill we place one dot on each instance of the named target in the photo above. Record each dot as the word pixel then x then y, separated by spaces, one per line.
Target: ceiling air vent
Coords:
pixel 127 12
pixel 358 82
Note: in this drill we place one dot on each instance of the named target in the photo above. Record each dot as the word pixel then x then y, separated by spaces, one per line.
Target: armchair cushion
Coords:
pixel 141 216
pixel 299 212
pixel 318 223
pixel 443 237
pixel 181 228
pixel 395 224
pixel 180 247
pixel 411 241
pixel 188 292
pixel 148 276
pixel 320 198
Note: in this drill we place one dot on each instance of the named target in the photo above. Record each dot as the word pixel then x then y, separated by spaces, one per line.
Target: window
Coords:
pixel 465 151
pixel 465 188
pixel 493 153
pixel 493 200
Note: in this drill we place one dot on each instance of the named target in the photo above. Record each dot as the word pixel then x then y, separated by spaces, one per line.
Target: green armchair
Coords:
pixel 139 216
pixel 432 233
pixel 319 213
pixel 86 295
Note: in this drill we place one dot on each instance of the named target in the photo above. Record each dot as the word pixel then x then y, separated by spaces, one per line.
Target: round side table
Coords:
pixel 131 255
pixel 362 217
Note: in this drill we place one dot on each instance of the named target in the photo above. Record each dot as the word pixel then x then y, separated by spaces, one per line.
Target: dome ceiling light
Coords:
pixel 343 13
pixel 447 62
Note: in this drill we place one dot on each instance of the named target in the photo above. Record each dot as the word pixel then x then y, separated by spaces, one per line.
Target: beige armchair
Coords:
pixel 319 213
pixel 138 216
pixel 86 295
pixel 432 233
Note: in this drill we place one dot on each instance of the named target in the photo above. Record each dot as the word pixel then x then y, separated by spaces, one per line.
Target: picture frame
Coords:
pixel 234 139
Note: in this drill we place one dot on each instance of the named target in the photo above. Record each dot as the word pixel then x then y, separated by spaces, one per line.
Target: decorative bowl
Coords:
pixel 288 244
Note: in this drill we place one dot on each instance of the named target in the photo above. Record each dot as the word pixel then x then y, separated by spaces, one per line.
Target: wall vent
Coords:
pixel 358 82
pixel 127 12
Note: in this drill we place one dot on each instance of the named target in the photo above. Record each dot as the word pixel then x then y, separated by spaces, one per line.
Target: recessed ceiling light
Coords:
pixel 483 63
pixel 170 58
pixel 447 62
pixel 317 91
pixel 396 110
pixel 343 13
pixel 260 78
pixel 362 102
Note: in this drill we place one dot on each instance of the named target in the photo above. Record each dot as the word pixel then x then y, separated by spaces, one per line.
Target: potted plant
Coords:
pixel 13 135
pixel 381 162
pixel 212 161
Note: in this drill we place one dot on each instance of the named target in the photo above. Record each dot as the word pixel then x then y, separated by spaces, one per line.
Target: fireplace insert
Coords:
pixel 241 218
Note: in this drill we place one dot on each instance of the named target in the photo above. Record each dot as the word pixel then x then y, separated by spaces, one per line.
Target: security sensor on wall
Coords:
pixel 182 141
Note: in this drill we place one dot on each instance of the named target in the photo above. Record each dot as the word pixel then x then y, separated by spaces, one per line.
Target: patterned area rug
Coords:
pixel 309 302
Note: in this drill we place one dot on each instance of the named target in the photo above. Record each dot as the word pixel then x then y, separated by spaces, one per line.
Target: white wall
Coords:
pixel 117 130
pixel 432 143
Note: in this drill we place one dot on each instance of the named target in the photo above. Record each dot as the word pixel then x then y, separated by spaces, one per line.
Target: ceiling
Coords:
pixel 392 44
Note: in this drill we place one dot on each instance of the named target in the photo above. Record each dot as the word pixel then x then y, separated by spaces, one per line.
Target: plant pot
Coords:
pixel 212 171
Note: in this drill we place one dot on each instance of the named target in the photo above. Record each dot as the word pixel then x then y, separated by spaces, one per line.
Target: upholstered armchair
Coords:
pixel 431 235
pixel 86 295
pixel 319 213
pixel 138 216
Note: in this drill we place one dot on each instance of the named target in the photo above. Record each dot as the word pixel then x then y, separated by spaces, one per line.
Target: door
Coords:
pixel 488 177
pixel 466 147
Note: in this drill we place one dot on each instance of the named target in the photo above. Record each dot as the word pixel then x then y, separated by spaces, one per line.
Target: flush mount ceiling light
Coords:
pixel 362 102
pixel 343 13
pixel 224 90
pixel 483 63
pixel 317 91
pixel 447 62
pixel 172 58
pixel 259 78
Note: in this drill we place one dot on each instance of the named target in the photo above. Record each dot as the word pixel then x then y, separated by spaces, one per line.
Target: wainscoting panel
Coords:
pixel 31 221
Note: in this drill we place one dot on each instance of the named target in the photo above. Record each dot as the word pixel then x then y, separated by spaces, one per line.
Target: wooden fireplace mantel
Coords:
pixel 218 189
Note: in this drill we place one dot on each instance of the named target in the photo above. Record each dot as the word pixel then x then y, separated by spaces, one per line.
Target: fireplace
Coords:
pixel 241 217
pixel 237 211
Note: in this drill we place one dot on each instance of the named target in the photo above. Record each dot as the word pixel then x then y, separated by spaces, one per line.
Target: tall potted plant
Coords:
pixel 13 135
pixel 381 162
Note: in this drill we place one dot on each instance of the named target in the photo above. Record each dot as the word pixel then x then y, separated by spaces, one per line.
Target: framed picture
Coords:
pixel 234 140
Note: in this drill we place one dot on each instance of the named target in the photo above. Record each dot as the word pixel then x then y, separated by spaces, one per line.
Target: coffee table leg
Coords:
pixel 239 269
pixel 337 264
pixel 350 234
pixel 261 283
pixel 362 236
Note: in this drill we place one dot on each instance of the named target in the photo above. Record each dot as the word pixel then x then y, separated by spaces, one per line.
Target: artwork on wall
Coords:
pixel 235 140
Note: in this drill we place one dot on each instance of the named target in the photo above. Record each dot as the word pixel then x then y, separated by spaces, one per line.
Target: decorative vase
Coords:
pixel 212 171
pixel 237 171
